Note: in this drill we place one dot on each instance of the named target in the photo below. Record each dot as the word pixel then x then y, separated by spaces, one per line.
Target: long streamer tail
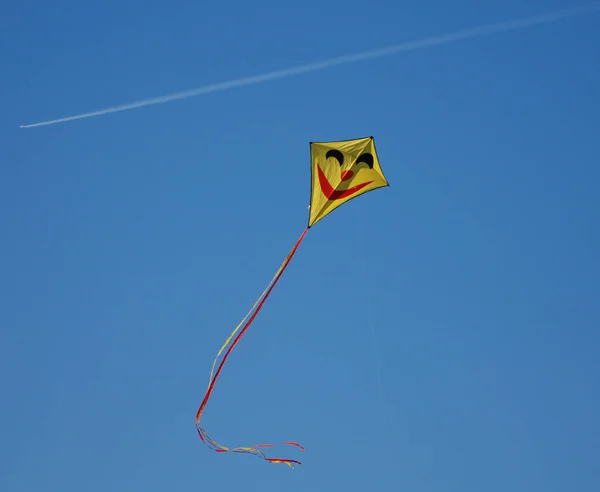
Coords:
pixel 256 450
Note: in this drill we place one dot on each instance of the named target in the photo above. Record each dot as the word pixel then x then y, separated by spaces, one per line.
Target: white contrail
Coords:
pixel 311 67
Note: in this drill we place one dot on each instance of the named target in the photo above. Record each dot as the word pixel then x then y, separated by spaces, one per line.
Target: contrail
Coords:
pixel 365 55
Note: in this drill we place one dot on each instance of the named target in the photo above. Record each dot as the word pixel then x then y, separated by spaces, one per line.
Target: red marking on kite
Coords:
pixel 333 194
pixel 346 175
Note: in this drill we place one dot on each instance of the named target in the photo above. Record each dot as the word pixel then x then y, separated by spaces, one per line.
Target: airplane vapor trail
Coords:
pixel 352 58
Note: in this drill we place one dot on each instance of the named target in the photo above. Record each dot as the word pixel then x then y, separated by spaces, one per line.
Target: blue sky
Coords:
pixel 436 335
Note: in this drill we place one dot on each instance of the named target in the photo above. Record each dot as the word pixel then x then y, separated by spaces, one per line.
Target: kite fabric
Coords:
pixel 340 171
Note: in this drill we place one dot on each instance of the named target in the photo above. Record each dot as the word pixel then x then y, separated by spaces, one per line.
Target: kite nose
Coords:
pixel 346 175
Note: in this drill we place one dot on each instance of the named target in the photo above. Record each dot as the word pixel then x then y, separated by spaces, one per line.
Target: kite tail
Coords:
pixel 257 449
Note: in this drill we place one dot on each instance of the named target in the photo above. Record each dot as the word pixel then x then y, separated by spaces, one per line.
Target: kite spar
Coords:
pixel 340 171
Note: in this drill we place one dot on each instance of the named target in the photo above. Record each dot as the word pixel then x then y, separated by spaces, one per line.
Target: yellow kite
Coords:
pixel 340 171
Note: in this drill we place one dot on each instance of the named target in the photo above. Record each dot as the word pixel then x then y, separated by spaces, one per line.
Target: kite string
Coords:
pixel 237 339
pixel 241 323
pixel 261 300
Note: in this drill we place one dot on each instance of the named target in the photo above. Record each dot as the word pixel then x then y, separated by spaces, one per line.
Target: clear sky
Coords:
pixel 437 335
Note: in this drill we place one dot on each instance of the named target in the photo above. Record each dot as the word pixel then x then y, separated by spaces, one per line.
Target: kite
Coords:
pixel 340 171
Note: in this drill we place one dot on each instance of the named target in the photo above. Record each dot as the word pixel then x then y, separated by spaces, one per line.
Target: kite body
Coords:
pixel 340 171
